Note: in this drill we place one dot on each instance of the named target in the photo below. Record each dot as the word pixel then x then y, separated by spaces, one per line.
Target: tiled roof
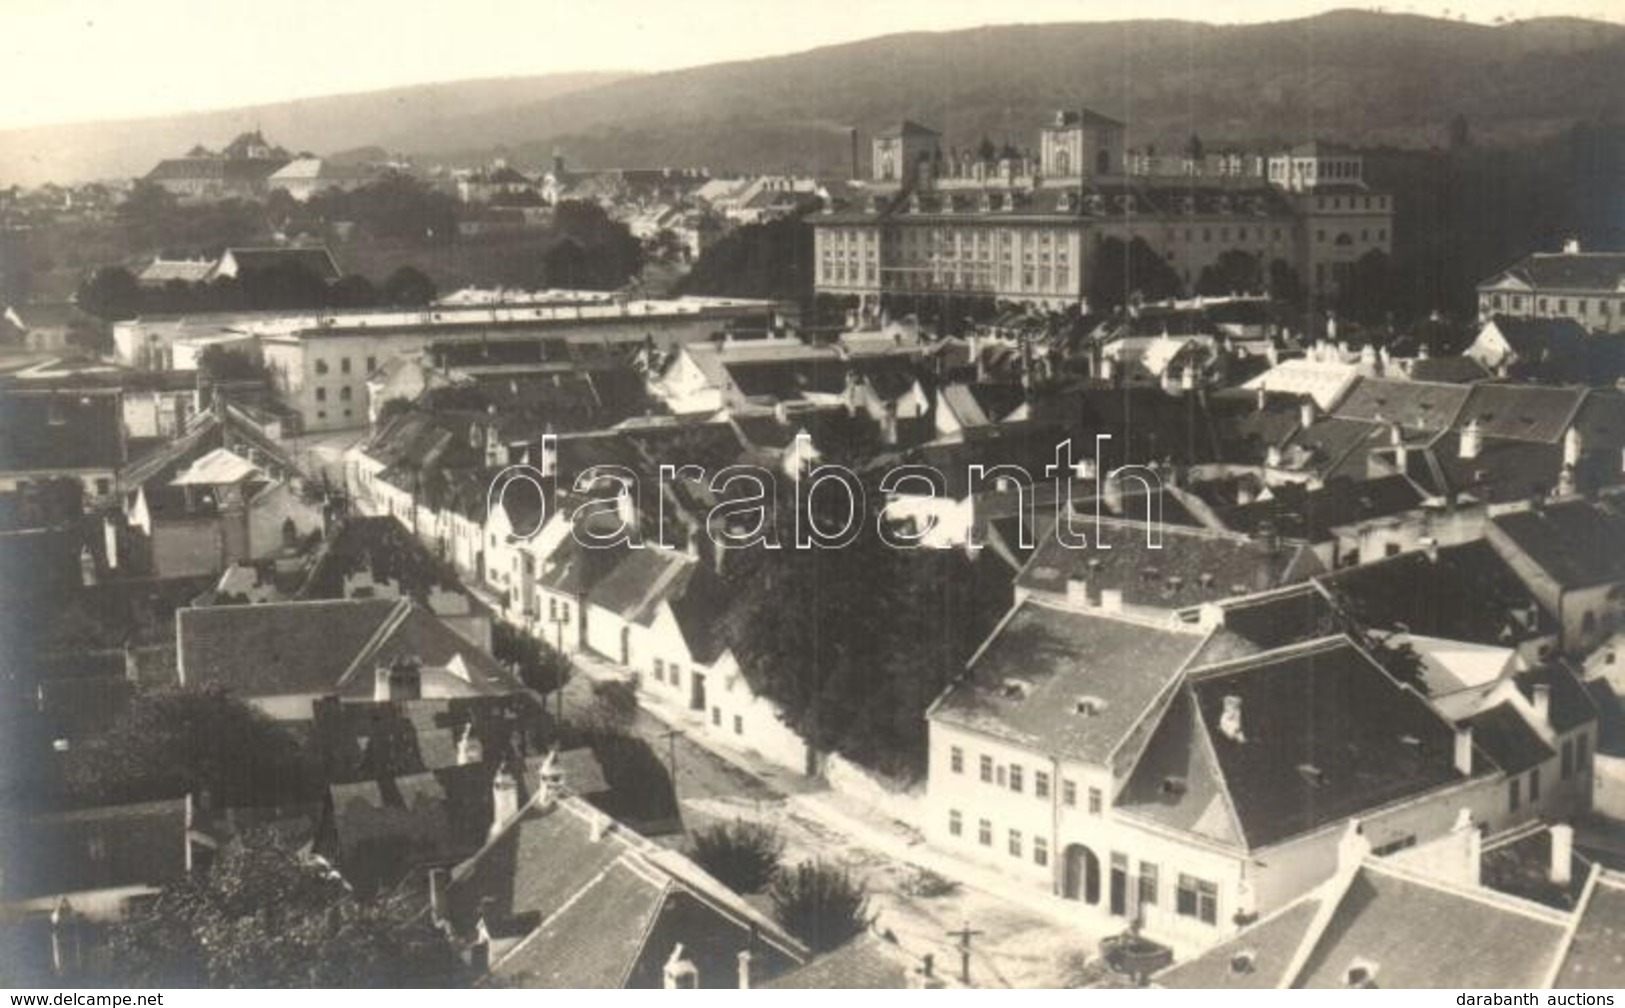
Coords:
pixel 1581 271
pixel 1274 619
pixel 1189 567
pixel 97 848
pixel 318 261
pixel 1468 594
pixel 1325 734
pixel 864 963
pixel 604 911
pixel 1295 512
pixel 1578 543
pixel 1595 957
pixel 1256 959
pixel 1414 405
pixel 1521 412
pixel 1503 734
pixel 1455 370
pixel 1333 447
pixel 59 430
pixel 1410 932
pixel 1502 472
pixel 1381 926
pixel 1066 682
pixel 328 647
pixel 1571 703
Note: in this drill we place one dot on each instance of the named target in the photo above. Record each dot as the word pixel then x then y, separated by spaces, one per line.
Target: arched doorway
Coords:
pixel 1080 875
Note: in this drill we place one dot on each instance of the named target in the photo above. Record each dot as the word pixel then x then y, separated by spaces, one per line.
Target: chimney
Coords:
pixel 1464 750
pixel 1308 411
pixel 469 749
pixel 87 567
pixel 504 799
pixel 1187 379
pixel 852 135
pixel 1108 369
pixel 1573 446
pixel 1077 592
pixel 679 973
pixel 1542 702
pixel 64 938
pixel 479 957
pixel 1111 600
pixel 1571 246
pixel 599 826
pixel 1230 720
pixel 1562 866
pixel 744 969
pixel 888 424
pixel 1472 440
pixel 438 879
pixel 1430 546
pixel 1273 457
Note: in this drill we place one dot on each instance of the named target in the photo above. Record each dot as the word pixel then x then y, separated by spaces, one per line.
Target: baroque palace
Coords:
pixel 1013 227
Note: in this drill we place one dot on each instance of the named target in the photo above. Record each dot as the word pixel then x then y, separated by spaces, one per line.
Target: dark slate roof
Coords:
pixel 1571 703
pixel 1418 933
pixel 1026 684
pixel 1453 370
pixel 1405 930
pixel 45 429
pixel 637 583
pixel 1521 412
pixel 1256 959
pixel 907 127
pixel 605 912
pixel 1414 405
pixel 1189 567
pixel 1503 734
pixel 385 826
pixel 1274 619
pixel 96 848
pixel 866 962
pixel 1468 594
pixel 1501 473
pixel 1245 430
pixel 1578 543
pixel 1595 957
pixel 327 647
pixel 319 261
pixel 1324 706
pixel 1333 447
pixel 1571 270
pixel 1522 867
pixel 359 740
pixel 1296 512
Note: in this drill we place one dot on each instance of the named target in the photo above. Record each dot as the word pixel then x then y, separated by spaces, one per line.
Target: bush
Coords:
pixel 744 855
pixel 821 904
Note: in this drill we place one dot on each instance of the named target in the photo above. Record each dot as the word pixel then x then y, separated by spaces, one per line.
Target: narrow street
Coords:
pixel 1018 946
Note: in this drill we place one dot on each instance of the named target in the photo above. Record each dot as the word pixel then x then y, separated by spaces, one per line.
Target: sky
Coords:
pixel 82 60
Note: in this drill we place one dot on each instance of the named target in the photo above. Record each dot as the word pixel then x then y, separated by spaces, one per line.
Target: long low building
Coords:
pixel 319 361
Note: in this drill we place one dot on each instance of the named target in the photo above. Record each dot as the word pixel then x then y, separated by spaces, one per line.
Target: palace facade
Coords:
pixel 1012 226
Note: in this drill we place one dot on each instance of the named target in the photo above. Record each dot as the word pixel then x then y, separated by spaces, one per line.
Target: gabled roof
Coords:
pixel 1379 925
pixel 1414 405
pixel 1503 734
pixel 1323 734
pixel 1467 594
pixel 1593 958
pixel 1296 512
pixel 1189 566
pixel 319 261
pixel 907 127
pixel 867 962
pixel 1534 413
pixel 329 647
pixel 1067 682
pixel 1577 271
pixel 594 905
pixel 1578 543
pixel 1571 703
pixel 107 847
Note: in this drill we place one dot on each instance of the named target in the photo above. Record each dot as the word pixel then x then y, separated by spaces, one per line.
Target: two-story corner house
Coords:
pixel 1158 776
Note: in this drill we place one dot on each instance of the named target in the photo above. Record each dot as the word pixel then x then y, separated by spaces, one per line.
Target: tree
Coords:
pixel 263 916
pixel 821 904
pixel 111 293
pixel 771 260
pixel 408 287
pixel 1129 272
pixel 202 741
pixel 744 855
pixel 541 667
pixel 1366 293
pixel 219 363
pixel 1284 283
pixel 1234 272
pixel 352 291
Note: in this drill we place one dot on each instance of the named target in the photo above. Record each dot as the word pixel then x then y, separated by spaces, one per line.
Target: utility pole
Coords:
pixel 671 735
pixel 964 934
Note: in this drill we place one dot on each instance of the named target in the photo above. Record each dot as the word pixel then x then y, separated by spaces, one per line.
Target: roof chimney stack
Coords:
pixel 1308 411
pixel 1571 246
pixel 1472 440
pixel 438 879
pixel 1077 593
pixel 744 969
pixel 1230 720
pixel 1464 750
pixel 1542 702
pixel 1562 866
pixel 504 798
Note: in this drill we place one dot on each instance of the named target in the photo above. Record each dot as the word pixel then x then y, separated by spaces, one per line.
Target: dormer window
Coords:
pixel 1089 706
pixel 1172 787
pixel 1361 975
pixel 1244 962
pixel 1014 689
pixel 1312 774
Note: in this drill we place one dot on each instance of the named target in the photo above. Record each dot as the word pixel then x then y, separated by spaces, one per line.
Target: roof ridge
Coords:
pixel 1285 652
pixel 1481 894
pixel 403 607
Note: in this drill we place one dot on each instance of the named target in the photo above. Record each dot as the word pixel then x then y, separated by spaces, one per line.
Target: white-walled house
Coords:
pixel 1182 780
